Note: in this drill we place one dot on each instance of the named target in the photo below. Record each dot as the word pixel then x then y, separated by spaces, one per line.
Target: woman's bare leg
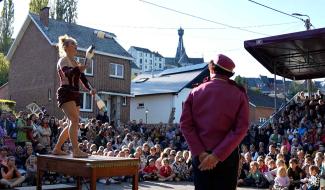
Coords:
pixel 64 136
pixel 72 112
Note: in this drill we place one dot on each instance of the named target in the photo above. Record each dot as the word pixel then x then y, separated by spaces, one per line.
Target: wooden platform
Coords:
pixel 48 187
pixel 92 167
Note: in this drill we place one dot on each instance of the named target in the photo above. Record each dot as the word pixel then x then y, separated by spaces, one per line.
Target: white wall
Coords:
pixel 179 99
pixel 159 108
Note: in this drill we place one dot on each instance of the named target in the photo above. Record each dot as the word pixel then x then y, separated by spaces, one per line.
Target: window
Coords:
pixel 90 69
pixel 140 106
pixel 262 119
pixel 140 61
pixel 124 101
pixel 49 95
pixel 116 70
pixel 140 54
pixel 86 103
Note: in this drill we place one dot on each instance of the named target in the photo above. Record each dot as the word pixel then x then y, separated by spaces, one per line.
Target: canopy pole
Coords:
pixel 274 82
pixel 284 90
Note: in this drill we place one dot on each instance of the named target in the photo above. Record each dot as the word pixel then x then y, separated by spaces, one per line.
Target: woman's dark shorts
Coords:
pixel 66 93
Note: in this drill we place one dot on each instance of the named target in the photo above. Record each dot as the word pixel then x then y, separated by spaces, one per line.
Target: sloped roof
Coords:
pixel 145 50
pixel 84 35
pixel 299 55
pixel 134 66
pixel 261 100
pixel 168 81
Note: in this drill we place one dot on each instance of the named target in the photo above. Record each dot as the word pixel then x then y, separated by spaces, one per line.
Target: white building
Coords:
pixel 147 60
pixel 155 97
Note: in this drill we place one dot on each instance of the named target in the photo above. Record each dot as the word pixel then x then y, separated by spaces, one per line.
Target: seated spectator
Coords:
pixel 31 170
pixel 3 154
pixel 254 178
pixel 313 182
pixel 282 181
pixel 165 172
pixel 261 165
pixel 11 177
pixel 180 169
pixel 150 171
pixel 295 174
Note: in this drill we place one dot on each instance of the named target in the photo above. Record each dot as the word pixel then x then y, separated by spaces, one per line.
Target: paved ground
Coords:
pixel 152 186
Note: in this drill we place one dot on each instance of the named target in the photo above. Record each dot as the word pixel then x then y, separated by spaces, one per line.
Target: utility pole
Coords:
pixel 307 25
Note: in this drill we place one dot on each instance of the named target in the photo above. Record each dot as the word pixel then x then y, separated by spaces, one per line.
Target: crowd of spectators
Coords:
pixel 161 148
pixel 288 153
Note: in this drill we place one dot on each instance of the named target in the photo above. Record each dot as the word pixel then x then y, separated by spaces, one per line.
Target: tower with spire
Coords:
pixel 181 56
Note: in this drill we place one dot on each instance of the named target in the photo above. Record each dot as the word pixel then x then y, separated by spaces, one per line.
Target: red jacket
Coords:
pixel 150 169
pixel 215 117
pixel 165 171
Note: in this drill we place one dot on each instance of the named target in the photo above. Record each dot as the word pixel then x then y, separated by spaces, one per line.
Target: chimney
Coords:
pixel 44 16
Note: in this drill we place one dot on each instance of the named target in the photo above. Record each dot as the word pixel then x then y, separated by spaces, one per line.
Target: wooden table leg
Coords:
pixel 93 180
pixel 135 181
pixel 79 185
pixel 39 179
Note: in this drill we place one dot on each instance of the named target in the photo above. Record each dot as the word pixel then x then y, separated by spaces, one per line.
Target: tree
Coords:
pixel 6 28
pixel 35 6
pixel 240 81
pixel 65 10
pixel 4 69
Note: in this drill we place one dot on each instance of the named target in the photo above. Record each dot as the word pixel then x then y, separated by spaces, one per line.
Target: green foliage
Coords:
pixel 6 28
pixel 7 105
pixel 240 80
pixel 65 10
pixel 35 6
pixel 4 69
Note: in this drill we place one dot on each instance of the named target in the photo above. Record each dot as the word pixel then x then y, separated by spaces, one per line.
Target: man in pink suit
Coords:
pixel 214 121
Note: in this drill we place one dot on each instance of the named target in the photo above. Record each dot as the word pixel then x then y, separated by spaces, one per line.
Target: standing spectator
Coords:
pixel 22 128
pixel 214 127
pixel 44 132
pixel 103 117
pixel 11 177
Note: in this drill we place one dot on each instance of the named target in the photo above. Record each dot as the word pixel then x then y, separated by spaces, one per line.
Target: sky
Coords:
pixel 206 31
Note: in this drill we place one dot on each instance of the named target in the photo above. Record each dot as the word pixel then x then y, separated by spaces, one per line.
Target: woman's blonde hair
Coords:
pixel 64 40
pixel 281 171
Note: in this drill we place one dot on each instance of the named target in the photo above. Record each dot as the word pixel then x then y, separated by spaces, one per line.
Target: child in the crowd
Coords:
pixel 31 169
pixel 11 177
pixel 282 181
pixel 150 171
pixel 180 169
pixel 261 165
pixel 165 172
pixel 313 182
pixel 254 178
pixel 322 176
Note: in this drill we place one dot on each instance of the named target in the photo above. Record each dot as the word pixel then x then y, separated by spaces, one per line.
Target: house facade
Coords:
pixel 33 76
pixel 261 106
pixel 159 98
pixel 146 59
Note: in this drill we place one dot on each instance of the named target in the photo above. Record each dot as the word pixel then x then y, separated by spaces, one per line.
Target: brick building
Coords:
pixel 33 76
pixel 261 106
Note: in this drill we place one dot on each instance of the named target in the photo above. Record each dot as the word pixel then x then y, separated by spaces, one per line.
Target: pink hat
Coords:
pixel 224 63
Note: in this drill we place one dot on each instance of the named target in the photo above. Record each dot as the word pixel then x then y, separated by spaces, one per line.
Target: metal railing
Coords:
pixel 274 115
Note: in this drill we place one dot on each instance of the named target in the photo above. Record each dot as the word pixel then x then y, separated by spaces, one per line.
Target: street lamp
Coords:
pixel 307 25
pixel 146 112
pixel 307 21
